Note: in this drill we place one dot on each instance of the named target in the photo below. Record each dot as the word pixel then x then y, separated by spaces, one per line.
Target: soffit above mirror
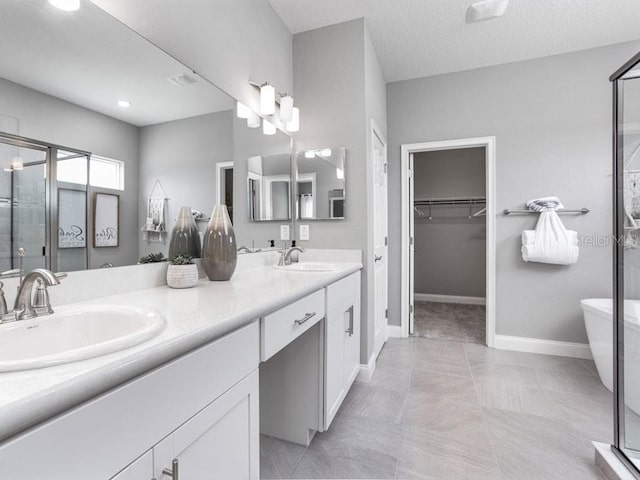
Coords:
pixel 41 45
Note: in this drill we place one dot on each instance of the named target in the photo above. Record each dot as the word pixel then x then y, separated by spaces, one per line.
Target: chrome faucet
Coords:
pixel 23 307
pixel 285 255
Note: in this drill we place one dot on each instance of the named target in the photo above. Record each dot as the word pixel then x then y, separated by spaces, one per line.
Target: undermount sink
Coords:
pixel 310 267
pixel 75 333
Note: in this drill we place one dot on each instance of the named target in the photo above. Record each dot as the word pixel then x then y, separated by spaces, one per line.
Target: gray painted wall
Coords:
pixel 552 122
pixel 450 248
pixel 46 118
pixel 339 86
pixel 182 154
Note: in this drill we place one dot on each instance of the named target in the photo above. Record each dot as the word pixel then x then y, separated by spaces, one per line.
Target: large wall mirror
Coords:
pixel 88 106
pixel 320 184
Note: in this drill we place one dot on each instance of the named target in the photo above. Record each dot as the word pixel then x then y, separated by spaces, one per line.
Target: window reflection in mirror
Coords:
pixel 320 182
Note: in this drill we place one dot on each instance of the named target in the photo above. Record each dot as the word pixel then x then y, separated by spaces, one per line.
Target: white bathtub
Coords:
pixel 598 319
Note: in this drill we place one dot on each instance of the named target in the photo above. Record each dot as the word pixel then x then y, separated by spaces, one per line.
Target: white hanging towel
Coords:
pixel 550 242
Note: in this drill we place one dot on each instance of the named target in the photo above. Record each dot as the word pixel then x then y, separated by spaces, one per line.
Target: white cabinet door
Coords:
pixel 334 364
pixel 141 469
pixel 220 442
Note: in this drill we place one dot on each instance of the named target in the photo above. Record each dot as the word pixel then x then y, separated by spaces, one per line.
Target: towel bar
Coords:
pixel 582 211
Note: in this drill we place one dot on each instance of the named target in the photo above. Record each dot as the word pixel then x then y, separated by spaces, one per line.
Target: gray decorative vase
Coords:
pixel 185 237
pixel 219 255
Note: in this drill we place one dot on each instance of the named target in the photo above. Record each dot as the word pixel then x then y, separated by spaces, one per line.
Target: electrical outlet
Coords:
pixel 304 232
pixel 284 232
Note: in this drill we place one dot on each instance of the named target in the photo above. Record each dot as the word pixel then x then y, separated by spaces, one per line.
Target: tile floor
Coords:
pixel 444 410
pixel 450 321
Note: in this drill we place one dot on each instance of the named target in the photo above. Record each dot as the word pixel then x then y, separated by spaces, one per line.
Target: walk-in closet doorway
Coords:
pixel 448 238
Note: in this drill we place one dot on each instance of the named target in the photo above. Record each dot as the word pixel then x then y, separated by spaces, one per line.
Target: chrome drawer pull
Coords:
pixel 306 317
pixel 173 473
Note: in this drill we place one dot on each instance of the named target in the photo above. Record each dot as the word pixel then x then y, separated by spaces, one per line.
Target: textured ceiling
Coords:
pixel 417 38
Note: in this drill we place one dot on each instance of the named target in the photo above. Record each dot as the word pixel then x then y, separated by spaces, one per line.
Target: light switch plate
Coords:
pixel 284 232
pixel 304 232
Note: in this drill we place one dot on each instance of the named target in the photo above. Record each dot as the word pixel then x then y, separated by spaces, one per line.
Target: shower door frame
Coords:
pixel 51 190
pixel 618 266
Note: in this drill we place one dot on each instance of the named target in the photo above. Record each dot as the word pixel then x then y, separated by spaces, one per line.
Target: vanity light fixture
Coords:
pixel 124 103
pixel 66 5
pixel 268 128
pixel 486 10
pixel 310 154
pixel 242 110
pixel 267 99
pixel 286 107
pixel 325 152
pixel 253 121
pixel 340 173
pixel 294 124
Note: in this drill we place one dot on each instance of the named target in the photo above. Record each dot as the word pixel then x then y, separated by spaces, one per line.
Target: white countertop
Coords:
pixel 194 317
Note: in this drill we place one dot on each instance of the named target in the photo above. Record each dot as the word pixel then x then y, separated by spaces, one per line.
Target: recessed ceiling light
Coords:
pixel 124 103
pixel 486 10
pixel 66 5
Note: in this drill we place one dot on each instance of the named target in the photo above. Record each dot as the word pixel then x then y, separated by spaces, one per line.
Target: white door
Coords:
pixel 412 247
pixel 222 441
pixel 380 234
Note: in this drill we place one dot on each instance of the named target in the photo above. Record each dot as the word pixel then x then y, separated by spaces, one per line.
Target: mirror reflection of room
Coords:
pixel 321 184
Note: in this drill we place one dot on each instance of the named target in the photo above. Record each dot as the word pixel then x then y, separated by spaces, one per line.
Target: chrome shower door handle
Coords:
pixel 174 473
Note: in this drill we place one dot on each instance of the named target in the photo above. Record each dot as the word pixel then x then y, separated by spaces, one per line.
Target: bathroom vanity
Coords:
pixel 188 402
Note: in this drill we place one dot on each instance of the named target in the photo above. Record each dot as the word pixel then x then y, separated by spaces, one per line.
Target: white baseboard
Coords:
pixel 432 297
pixel 395 331
pixel 366 371
pixel 547 347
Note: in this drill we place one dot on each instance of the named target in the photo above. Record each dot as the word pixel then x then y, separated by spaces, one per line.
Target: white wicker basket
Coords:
pixel 182 276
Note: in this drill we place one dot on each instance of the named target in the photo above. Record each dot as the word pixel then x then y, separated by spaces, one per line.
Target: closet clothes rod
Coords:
pixel 450 201
pixel 581 211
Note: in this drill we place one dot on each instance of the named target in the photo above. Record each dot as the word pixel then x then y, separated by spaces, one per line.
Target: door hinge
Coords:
pixel 386 313
pixel 410 308
pixel 410 173
pixel 385 168
pixel 44 251
pixel 410 240
pixel 386 241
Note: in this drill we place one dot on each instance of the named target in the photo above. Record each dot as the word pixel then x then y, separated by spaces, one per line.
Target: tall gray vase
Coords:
pixel 219 255
pixel 185 237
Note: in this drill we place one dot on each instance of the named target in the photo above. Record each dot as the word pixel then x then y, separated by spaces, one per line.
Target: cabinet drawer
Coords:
pixel 344 292
pixel 281 327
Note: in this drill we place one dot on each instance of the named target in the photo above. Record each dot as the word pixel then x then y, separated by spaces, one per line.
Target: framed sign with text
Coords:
pixel 106 217
pixel 72 218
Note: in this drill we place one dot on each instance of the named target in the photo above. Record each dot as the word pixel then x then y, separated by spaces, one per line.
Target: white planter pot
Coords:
pixel 182 276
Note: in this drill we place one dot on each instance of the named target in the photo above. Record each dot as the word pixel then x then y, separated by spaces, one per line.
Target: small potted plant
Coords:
pixel 182 272
pixel 152 258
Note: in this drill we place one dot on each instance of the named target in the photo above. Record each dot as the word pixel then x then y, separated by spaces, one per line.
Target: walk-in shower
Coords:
pixel 626 141
pixel 41 185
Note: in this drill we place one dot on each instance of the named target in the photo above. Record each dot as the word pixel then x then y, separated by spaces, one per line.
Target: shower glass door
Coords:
pixel 23 209
pixel 626 332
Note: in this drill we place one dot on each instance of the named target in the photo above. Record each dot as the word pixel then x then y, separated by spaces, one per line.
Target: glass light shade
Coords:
pixel 309 154
pixel 242 111
pixel 325 152
pixel 17 163
pixel 268 128
pixel 267 100
pixel 66 5
pixel 253 121
pixel 294 124
pixel 286 108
